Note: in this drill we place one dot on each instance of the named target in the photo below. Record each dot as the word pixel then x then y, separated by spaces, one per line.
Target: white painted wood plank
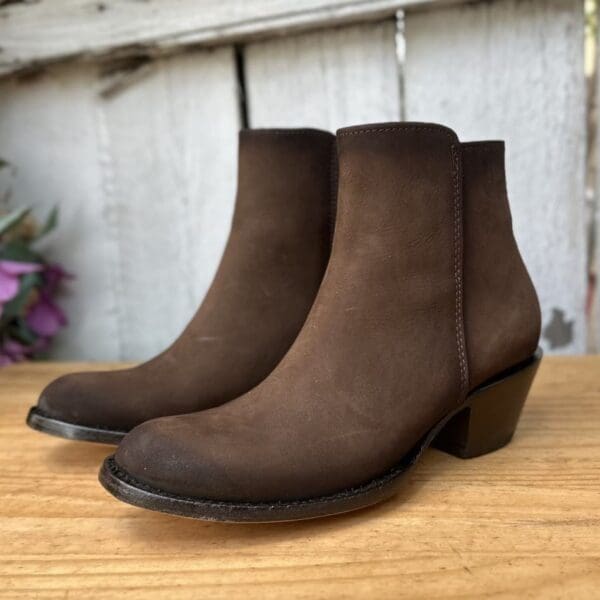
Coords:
pixel 325 79
pixel 514 70
pixel 48 134
pixel 594 201
pixel 50 30
pixel 171 141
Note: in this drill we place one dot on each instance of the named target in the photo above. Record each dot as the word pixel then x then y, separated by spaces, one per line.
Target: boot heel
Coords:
pixel 490 419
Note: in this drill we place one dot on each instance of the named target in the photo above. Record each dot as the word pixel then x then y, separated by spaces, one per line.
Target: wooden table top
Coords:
pixel 522 522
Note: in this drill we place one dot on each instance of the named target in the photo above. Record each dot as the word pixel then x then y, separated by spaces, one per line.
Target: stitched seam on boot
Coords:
pixel 458 279
pixel 455 165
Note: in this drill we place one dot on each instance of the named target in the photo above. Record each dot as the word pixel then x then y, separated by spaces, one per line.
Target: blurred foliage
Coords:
pixel 29 316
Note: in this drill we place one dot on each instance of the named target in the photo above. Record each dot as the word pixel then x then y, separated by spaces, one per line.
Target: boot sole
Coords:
pixel 38 420
pixel 485 422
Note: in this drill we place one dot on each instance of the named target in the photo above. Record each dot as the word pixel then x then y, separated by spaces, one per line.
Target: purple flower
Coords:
pixel 45 318
pixel 42 317
pixel 14 349
pixel 11 352
pixel 53 276
pixel 10 270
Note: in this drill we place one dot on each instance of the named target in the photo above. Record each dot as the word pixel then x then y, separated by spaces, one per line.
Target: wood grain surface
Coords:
pixel 523 522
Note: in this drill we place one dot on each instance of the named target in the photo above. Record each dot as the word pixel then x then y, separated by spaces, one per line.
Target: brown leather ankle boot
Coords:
pixel 424 331
pixel 263 290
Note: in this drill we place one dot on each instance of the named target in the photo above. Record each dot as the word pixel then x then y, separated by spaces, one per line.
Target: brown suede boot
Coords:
pixel 266 283
pixel 424 331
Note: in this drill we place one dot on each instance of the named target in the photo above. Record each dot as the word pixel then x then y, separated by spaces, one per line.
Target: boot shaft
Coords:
pixel 281 229
pixel 399 237
pixel 436 213
pixel 286 181
pixel 273 263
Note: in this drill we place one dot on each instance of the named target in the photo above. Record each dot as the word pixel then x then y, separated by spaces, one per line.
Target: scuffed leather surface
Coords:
pixel 378 360
pixel 263 290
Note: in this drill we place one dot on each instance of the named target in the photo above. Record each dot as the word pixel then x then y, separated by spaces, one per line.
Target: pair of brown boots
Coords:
pixel 371 302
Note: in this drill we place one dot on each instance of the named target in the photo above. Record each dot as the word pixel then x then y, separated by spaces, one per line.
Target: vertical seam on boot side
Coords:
pixel 333 182
pixel 458 241
pixel 458 270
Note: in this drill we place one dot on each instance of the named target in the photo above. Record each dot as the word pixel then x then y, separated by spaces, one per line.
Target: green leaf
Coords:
pixel 50 223
pixel 15 307
pixel 9 221
pixel 20 252
pixel 21 332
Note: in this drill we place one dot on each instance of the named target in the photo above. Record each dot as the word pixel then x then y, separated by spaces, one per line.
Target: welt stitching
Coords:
pixel 114 468
pixel 458 283
pixel 458 295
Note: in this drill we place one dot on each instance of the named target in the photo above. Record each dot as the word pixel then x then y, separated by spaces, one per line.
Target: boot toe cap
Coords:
pixel 61 399
pixel 187 456
pixel 217 455
pixel 88 399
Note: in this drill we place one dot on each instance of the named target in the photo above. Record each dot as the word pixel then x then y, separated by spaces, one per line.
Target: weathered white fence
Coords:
pixel 125 114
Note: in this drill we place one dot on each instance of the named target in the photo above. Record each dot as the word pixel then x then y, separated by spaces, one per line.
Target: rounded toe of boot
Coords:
pixel 61 400
pixel 176 455
pixel 82 406
pixel 206 466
